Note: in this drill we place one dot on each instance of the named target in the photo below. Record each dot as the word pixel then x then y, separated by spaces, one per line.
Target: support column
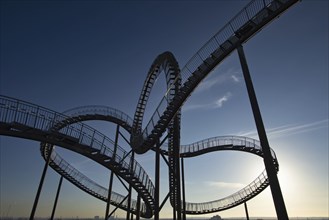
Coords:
pixel 157 182
pixel 130 188
pixel 246 209
pixel 36 200
pixel 56 199
pixel 129 203
pixel 111 176
pixel 268 161
pixel 138 207
pixel 183 189
pixel 176 146
pixel 109 196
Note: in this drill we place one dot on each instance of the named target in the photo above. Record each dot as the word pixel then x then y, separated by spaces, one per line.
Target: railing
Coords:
pixel 32 116
pixel 84 182
pixel 102 110
pixel 254 13
pixel 244 194
pixel 13 111
pixel 219 142
pixel 222 141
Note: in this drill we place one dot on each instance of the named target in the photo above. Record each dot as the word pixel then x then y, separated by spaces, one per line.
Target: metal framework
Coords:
pixel 161 134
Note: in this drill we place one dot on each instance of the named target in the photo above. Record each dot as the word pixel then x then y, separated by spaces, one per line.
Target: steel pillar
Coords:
pixel 112 175
pixel 138 207
pixel 246 209
pixel 183 189
pixel 56 199
pixel 109 196
pixel 130 188
pixel 157 183
pixel 129 203
pixel 36 200
pixel 268 161
pixel 178 202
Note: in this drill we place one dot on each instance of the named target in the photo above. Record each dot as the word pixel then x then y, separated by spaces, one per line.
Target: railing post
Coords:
pixel 17 103
pixel 36 117
pixel 80 140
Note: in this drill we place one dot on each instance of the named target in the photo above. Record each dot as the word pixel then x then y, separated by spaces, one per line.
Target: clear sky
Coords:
pixel 65 54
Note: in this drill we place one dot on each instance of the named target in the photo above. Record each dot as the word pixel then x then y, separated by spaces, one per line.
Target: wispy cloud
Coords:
pixel 231 75
pixel 225 185
pixel 235 78
pixel 289 129
pixel 81 163
pixel 216 104
pixel 219 103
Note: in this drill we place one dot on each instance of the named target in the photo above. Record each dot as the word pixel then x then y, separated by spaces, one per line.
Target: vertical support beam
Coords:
pixel 130 187
pixel 177 166
pixel 56 199
pixel 36 200
pixel 138 207
pixel 246 209
pixel 132 216
pixel 268 161
pixel 157 182
pixel 111 176
pixel 109 197
pixel 183 189
pixel 174 213
pixel 129 203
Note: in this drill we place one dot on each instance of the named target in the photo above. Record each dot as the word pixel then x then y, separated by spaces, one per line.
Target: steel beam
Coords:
pixel 246 209
pixel 112 175
pixel 183 189
pixel 36 200
pixel 56 199
pixel 268 161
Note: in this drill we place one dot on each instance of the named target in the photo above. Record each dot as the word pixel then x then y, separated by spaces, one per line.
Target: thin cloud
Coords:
pixel 219 103
pixel 224 77
pixel 225 185
pixel 82 163
pixel 196 107
pixel 235 78
pixel 287 130
pixel 216 104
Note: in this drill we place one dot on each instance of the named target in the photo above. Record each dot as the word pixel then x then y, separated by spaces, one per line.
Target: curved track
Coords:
pixel 22 119
pixel 241 28
pixel 26 120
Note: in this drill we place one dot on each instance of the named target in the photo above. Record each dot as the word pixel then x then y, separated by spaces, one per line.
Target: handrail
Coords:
pixel 83 182
pixel 100 109
pixel 230 201
pixel 14 111
pixel 256 13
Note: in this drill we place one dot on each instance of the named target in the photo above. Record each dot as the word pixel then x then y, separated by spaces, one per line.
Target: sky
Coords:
pixel 65 54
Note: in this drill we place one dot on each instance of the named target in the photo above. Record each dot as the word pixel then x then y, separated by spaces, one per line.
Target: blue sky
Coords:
pixel 64 54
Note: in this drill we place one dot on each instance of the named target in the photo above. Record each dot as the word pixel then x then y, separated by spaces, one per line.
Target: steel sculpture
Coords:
pixel 68 130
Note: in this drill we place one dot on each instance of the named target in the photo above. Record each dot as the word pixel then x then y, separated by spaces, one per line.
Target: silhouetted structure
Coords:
pixel 161 134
